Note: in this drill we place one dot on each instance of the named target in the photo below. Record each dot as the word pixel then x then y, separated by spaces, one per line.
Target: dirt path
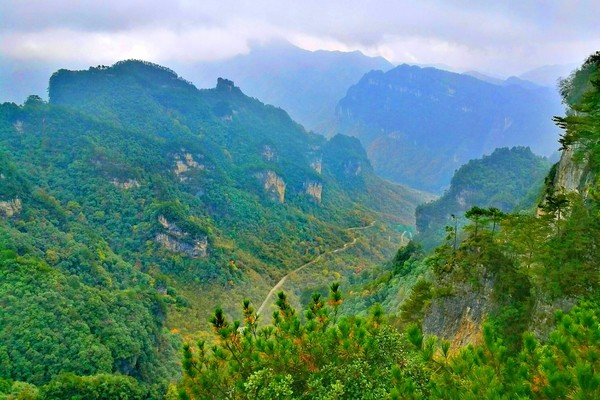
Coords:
pixel 319 257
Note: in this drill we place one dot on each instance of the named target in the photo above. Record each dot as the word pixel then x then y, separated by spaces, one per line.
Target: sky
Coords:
pixel 499 37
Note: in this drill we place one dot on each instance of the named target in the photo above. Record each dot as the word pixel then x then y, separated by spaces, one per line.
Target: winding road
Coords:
pixel 319 257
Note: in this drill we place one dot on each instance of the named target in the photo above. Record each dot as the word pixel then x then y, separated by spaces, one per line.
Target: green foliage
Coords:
pixel 322 358
pixel 360 358
pixel 522 260
pixel 97 387
pixel 76 328
pixel 123 156
pixel 404 254
pixel 581 93
pixel 415 306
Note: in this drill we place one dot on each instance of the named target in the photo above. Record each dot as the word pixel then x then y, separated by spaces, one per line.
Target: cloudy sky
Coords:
pixel 502 37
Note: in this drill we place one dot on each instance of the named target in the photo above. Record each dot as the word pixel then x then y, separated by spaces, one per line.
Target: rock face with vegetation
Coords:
pixel 273 184
pixel 538 253
pixel 315 190
pixel 459 316
pixel 9 208
pixel 420 124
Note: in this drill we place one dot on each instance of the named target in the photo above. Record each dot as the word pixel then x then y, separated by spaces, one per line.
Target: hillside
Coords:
pixel 306 84
pixel 505 179
pixel 420 124
pixel 132 201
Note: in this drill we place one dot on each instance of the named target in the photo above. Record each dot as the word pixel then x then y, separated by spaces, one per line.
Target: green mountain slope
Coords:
pixel 138 201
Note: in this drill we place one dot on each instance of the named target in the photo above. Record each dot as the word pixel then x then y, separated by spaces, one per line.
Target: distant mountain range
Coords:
pixel 420 124
pixel 307 84
pixel 486 112
pixel 548 75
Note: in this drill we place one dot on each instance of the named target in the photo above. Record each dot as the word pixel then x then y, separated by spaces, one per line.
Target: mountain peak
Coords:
pixel 226 85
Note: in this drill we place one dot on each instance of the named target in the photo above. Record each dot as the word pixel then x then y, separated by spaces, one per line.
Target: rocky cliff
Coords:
pixel 572 175
pixel 459 314
pixel 314 190
pixel 177 240
pixel 185 163
pixel 273 184
pixel 491 280
pixel 10 207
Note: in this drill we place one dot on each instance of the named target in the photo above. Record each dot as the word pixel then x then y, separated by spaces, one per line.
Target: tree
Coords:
pixel 321 358
pixel 496 216
pixel 476 214
pixel 556 204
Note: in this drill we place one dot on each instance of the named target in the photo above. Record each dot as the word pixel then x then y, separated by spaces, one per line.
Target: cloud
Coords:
pixel 503 37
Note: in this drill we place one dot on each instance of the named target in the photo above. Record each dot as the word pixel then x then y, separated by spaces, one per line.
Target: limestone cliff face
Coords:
pixel 126 184
pixel 317 165
pixel 459 317
pixel 199 249
pixel 272 184
pixel 171 228
pixel 269 153
pixel 185 163
pixel 572 175
pixel 314 189
pixel 176 240
pixel 10 208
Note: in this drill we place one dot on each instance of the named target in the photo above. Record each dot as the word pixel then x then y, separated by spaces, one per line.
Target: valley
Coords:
pixel 279 285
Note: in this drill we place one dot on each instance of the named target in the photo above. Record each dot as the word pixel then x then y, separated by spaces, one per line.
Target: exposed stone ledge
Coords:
pixel 10 207
pixel 272 183
pixel 173 240
pixel 314 189
pixel 127 184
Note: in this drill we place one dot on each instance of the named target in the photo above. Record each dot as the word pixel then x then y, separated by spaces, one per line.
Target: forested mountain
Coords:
pixel 420 124
pixel 132 203
pixel 307 84
pixel 505 179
